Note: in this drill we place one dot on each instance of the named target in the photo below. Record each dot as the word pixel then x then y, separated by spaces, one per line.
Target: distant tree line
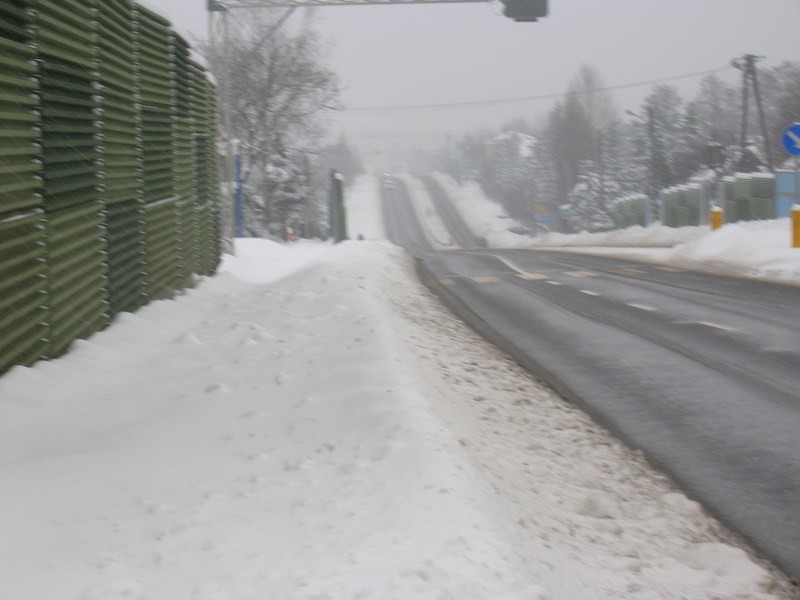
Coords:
pixel 586 152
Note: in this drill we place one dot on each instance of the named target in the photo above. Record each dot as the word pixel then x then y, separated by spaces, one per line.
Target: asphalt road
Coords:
pixel 702 373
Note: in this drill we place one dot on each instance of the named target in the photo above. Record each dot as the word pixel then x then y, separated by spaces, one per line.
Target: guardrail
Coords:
pixel 108 169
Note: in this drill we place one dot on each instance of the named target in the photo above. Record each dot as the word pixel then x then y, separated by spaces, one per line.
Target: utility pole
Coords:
pixel 747 65
pixel 654 181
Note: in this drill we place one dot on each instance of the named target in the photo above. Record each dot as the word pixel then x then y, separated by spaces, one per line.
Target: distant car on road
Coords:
pixel 520 230
pixel 387 181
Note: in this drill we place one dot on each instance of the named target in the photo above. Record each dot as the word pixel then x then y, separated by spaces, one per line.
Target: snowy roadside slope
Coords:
pixel 332 434
pixel 754 249
pixel 428 217
pixel 486 218
pixel 589 517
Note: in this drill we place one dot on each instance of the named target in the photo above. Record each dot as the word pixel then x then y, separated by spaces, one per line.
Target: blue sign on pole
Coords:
pixel 791 139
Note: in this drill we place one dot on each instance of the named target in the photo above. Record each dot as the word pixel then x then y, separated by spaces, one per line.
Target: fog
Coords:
pixel 421 55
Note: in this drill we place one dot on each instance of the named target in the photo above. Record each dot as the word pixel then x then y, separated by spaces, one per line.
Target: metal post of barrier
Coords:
pixel 239 196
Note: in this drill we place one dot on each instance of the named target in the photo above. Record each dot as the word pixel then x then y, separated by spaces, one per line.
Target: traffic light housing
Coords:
pixel 525 10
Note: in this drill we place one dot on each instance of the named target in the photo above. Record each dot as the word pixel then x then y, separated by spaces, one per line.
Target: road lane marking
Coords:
pixel 717 326
pixel 446 281
pixel 629 270
pixel 580 273
pixel 485 279
pixel 551 282
pixel 670 269
pixel 642 306
pixel 521 273
pixel 589 292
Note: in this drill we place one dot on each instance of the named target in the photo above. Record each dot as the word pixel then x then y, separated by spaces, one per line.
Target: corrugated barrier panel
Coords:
pixel 23 300
pixel 108 183
pixel 76 274
pixel 19 118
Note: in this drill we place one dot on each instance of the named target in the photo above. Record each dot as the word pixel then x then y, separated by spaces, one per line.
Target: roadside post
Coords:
pixel 717 218
pixel 239 199
pixel 336 209
pixel 714 161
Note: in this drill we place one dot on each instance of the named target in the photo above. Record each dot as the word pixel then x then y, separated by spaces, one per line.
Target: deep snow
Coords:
pixel 311 423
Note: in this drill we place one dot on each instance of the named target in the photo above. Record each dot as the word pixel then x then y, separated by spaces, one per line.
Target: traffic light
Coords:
pixel 525 10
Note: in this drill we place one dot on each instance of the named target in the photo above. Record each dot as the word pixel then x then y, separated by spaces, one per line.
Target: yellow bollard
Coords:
pixel 717 217
pixel 796 226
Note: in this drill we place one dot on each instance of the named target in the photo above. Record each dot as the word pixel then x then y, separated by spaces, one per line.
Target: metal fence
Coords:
pixel 108 170
pixel 743 197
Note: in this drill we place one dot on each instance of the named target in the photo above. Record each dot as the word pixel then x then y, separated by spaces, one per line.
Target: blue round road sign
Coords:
pixel 791 139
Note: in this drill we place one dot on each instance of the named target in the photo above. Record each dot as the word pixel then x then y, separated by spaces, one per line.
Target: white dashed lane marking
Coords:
pixel 717 326
pixel 580 273
pixel 642 306
pixel 589 292
pixel 521 273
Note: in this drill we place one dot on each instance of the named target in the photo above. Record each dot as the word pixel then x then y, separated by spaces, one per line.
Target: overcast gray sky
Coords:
pixel 390 56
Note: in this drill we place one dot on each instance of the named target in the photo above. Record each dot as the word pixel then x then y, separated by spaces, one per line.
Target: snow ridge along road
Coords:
pixel 718 412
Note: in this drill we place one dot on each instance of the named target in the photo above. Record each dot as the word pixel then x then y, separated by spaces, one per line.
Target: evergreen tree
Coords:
pixel 588 201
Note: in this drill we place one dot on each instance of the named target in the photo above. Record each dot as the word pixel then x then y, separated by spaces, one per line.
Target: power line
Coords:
pixel 374 110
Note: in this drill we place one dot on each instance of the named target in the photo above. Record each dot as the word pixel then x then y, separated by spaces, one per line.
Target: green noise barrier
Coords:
pixel 24 335
pixel 19 103
pixel 108 169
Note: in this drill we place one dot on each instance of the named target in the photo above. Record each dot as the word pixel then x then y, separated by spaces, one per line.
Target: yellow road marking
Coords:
pixel 580 273
pixel 670 269
pixel 631 270
pixel 521 273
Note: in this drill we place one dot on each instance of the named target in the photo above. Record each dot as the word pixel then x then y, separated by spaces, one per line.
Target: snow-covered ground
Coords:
pixel 311 423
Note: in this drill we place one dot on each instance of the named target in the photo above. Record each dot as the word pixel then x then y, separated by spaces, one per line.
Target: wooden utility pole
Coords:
pixel 747 65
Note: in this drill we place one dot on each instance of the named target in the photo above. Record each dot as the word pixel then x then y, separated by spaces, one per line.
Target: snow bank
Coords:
pixel 655 236
pixel 244 441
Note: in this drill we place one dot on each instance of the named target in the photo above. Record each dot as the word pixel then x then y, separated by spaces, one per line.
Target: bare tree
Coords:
pixel 279 86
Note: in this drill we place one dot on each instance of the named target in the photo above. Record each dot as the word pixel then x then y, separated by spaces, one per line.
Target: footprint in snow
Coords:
pixel 188 338
pixel 215 388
